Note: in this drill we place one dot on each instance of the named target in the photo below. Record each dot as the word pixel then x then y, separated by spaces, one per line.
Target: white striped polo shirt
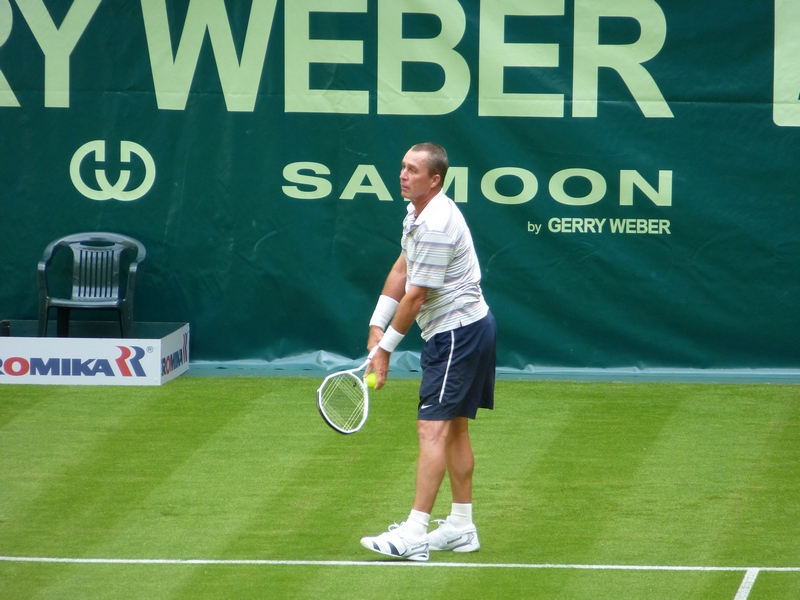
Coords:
pixel 439 253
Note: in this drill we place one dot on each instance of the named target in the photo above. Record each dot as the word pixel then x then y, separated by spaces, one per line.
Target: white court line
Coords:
pixel 747 584
pixel 750 572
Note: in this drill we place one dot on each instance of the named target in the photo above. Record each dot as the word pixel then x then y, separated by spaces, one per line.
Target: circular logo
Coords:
pixel 105 190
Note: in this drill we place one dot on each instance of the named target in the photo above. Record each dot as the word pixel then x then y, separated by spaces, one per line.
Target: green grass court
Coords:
pixel 235 488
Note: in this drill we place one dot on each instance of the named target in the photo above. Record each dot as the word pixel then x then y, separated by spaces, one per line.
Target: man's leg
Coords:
pixel 460 461
pixel 431 463
pixel 458 533
pixel 410 539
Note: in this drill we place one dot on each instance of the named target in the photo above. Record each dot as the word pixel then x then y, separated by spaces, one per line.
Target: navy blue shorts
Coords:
pixel 458 371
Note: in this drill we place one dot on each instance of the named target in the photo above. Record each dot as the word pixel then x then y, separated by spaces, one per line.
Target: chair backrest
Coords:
pixel 95 273
pixel 96 263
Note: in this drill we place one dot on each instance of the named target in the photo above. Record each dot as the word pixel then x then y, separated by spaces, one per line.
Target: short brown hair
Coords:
pixel 437 158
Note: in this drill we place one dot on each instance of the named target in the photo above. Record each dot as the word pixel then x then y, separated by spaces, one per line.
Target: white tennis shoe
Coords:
pixel 449 537
pixel 393 543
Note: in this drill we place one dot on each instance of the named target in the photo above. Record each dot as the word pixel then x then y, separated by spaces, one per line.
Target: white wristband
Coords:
pixel 384 311
pixel 390 339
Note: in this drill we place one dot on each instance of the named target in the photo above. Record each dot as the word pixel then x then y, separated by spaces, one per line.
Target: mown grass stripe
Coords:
pixel 582 490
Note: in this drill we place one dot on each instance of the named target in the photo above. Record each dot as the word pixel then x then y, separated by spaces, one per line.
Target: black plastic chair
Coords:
pixel 100 279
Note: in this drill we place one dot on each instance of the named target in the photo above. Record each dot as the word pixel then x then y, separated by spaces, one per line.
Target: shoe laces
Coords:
pixel 394 526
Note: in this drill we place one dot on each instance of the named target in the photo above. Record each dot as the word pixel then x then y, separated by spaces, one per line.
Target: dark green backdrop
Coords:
pixel 274 214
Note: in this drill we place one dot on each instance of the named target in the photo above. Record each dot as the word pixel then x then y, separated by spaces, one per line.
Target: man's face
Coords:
pixel 415 181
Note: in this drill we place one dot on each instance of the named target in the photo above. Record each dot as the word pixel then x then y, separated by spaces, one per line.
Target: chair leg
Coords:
pixel 43 321
pixel 126 319
pixel 62 316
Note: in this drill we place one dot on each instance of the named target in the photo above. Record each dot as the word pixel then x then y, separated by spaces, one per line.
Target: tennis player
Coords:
pixel 436 281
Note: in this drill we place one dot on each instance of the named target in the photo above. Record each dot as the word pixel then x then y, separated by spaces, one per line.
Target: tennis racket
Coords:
pixel 343 399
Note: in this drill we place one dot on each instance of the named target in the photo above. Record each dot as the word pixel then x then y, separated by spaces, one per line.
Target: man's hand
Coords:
pixel 380 366
pixel 380 362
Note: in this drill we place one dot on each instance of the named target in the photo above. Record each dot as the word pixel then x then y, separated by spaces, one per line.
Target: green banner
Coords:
pixel 628 167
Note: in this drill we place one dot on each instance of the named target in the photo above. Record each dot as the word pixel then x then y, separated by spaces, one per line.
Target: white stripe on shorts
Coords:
pixel 449 360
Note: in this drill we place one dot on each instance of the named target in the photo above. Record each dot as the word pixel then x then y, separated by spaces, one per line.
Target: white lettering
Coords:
pixel 394 50
pixel 786 85
pixel 57 44
pixel 320 187
pixel 302 52
pixel 172 78
pixel 596 192
pixel 640 226
pixel 365 179
pixel 530 185
pixel 496 55
pixel 457 178
pixel 594 225
pixel 625 59
pixel 7 96
pixel 660 197
pixel 356 184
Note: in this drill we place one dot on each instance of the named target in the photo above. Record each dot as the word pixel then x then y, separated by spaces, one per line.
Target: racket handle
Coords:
pixel 369 358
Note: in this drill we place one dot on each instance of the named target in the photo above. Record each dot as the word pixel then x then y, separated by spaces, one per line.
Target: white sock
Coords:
pixel 461 515
pixel 417 524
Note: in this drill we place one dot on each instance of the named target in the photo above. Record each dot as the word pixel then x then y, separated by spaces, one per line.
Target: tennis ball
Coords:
pixel 371 380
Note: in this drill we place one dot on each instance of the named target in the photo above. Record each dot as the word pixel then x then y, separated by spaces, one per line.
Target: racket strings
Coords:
pixel 343 401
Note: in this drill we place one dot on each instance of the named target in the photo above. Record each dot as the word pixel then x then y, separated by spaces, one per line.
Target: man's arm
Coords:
pixel 395 288
pixel 408 308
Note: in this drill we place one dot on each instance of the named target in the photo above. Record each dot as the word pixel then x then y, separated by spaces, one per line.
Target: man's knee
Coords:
pixel 433 432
